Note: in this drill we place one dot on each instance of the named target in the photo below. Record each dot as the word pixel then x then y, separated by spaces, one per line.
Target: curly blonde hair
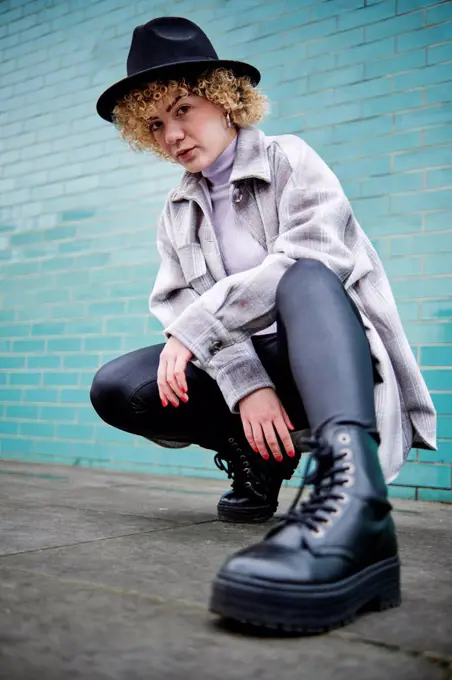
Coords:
pixel 235 94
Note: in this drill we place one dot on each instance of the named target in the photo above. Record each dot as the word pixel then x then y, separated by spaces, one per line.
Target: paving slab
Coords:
pixel 107 575
pixel 68 630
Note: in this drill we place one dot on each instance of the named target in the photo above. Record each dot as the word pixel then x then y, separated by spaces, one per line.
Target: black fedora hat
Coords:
pixel 165 48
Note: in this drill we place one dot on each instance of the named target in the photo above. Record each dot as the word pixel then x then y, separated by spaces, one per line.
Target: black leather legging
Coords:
pixel 319 361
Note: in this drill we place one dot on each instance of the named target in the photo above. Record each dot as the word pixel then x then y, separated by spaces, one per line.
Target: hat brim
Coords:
pixel 108 99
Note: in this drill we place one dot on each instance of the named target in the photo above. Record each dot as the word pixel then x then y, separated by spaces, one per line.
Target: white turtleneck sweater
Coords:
pixel 239 249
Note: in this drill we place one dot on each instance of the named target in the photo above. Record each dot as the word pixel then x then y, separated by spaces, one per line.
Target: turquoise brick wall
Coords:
pixel 367 83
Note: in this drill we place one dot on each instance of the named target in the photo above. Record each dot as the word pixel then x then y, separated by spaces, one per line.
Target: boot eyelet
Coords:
pixel 347 453
pixel 318 533
pixel 349 481
pixel 231 440
pixel 344 438
pixel 343 499
pixel 350 468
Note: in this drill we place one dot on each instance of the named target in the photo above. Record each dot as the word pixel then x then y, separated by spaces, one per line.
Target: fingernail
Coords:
pixel 278 458
pixel 291 453
pixel 184 398
pixel 175 404
pixel 183 390
pixel 265 456
pixel 256 450
pixel 164 403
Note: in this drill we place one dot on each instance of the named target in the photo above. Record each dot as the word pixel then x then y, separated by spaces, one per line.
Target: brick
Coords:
pixel 439 53
pixel 392 102
pixel 44 361
pixel 444 427
pixel 425 475
pixel 394 183
pixel 440 14
pixel 22 411
pixel 367 15
pixel 76 431
pixel 440 178
pixel 362 129
pixel 439 379
pixel 36 429
pixel 406 266
pixel 424 158
pixel 442 401
pixel 396 25
pixel 340 41
pixel 422 200
pixel 408 311
pixel 402 141
pixel 438 495
pixel 437 221
pixel 421 244
pixel 380 48
pixel 443 455
pixel 81 361
pixel 410 5
pixel 422 77
pixel 436 356
pixel 437 94
pixel 436 309
pixel 27 379
pixel 395 491
pixel 425 287
pixel 425 332
pixel 396 63
pixel 423 37
pixel 56 379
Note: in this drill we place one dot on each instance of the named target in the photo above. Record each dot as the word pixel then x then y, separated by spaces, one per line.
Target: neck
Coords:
pixel 220 170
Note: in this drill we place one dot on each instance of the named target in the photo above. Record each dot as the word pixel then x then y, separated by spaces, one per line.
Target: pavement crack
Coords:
pixel 108 538
pixel 436 658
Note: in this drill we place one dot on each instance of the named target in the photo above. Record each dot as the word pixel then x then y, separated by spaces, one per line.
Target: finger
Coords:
pixel 249 435
pixel 286 418
pixel 167 395
pixel 171 378
pixel 272 442
pixel 258 435
pixel 179 375
pixel 284 435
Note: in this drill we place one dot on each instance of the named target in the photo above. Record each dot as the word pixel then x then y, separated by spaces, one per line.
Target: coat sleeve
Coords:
pixel 171 297
pixel 313 217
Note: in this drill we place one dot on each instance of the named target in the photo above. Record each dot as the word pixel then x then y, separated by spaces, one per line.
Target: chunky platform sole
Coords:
pixel 256 514
pixel 307 609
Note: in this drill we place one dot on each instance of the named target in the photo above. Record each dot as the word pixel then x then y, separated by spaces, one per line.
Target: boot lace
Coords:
pixel 329 479
pixel 244 472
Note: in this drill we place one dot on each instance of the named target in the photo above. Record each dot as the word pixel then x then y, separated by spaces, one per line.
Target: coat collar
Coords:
pixel 251 162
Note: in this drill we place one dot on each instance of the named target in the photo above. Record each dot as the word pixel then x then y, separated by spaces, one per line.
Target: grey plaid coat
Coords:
pixel 294 206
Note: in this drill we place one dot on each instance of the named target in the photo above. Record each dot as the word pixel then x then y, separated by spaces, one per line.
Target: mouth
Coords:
pixel 185 154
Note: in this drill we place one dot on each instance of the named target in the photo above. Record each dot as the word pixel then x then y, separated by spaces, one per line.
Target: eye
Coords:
pixel 183 109
pixel 155 125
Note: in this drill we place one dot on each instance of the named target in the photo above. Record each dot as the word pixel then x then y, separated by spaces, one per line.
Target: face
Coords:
pixel 192 130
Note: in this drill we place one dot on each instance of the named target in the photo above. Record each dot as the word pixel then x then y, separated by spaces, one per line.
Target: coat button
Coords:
pixel 237 196
pixel 215 347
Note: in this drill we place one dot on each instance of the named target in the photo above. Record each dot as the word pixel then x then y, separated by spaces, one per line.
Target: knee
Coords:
pixel 302 277
pixel 107 394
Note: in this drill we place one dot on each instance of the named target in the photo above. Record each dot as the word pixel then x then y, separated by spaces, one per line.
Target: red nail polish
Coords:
pixel 265 456
pixel 256 450
pixel 164 403
pixel 184 398
pixel 291 454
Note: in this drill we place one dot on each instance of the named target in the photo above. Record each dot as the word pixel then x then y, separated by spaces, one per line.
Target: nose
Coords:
pixel 173 133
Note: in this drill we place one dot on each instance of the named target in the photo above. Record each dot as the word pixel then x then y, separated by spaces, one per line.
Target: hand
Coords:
pixel 263 416
pixel 171 379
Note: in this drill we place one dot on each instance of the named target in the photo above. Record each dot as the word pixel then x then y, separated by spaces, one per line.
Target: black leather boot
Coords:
pixel 256 482
pixel 329 557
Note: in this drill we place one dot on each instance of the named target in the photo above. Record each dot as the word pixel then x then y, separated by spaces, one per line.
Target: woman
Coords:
pixel 278 318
